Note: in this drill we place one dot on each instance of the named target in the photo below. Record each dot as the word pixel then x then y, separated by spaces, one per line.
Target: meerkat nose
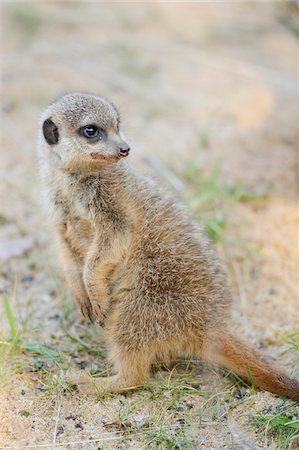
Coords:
pixel 124 149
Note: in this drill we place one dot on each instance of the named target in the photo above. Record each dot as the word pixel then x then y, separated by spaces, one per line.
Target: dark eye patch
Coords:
pixel 92 133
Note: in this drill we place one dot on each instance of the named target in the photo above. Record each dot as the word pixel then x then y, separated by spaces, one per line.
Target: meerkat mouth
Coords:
pixel 108 158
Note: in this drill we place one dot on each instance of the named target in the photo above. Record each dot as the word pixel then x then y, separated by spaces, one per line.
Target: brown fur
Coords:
pixel 136 259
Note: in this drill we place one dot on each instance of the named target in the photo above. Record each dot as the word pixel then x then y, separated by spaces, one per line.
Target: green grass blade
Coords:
pixel 42 350
pixel 10 318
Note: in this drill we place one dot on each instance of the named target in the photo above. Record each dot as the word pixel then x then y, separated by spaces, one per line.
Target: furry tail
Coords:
pixel 249 364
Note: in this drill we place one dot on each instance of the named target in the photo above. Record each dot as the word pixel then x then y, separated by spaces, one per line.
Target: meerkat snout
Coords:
pixel 124 149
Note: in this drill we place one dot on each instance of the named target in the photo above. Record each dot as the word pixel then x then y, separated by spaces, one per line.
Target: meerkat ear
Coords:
pixel 50 131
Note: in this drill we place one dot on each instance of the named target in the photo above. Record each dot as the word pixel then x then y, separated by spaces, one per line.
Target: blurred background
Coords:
pixel 208 94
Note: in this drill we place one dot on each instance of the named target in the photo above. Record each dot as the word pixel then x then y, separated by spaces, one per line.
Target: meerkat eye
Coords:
pixel 92 132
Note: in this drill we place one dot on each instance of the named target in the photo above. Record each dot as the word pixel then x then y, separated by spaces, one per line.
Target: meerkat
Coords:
pixel 134 258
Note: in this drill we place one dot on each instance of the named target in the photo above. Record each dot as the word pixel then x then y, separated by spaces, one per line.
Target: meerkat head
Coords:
pixel 81 131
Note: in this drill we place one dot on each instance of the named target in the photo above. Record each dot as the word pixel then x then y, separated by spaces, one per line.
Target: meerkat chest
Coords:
pixel 98 199
pixel 90 213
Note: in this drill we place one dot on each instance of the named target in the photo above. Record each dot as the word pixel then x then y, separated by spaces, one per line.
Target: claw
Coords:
pixel 102 323
pixel 83 313
pixel 101 320
pixel 91 317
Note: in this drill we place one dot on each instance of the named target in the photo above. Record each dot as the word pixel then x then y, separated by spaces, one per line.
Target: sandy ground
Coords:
pixel 173 69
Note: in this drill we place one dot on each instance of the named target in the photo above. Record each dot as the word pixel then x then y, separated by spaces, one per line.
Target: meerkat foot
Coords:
pixel 98 386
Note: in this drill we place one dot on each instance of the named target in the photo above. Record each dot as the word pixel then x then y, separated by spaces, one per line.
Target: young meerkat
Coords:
pixel 134 257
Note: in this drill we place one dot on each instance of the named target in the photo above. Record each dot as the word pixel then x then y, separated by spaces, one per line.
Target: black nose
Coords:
pixel 124 149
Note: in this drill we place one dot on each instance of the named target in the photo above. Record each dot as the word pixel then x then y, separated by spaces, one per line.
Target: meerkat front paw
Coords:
pixel 86 308
pixel 87 312
pixel 99 314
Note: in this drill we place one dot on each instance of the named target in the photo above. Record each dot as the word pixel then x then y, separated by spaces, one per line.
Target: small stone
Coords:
pixel 39 364
pixel 82 364
pixel 27 279
pixel 79 425
pixel 54 317
pixel 35 377
pixel 41 389
pixel 60 430
pixel 28 369
pixel 239 394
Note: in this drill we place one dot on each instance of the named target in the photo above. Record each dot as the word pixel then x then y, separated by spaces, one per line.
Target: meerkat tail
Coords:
pixel 249 364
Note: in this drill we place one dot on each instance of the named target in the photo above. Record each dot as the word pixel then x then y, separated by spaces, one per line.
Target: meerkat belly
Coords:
pixel 167 293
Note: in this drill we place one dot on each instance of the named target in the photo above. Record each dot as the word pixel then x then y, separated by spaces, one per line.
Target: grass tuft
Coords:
pixel 42 350
pixel 11 318
pixel 283 427
pixel 207 195
pixel 292 340
pixel 26 18
pixel 172 439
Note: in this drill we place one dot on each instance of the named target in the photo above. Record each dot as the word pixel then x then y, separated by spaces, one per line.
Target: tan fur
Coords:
pixel 136 259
